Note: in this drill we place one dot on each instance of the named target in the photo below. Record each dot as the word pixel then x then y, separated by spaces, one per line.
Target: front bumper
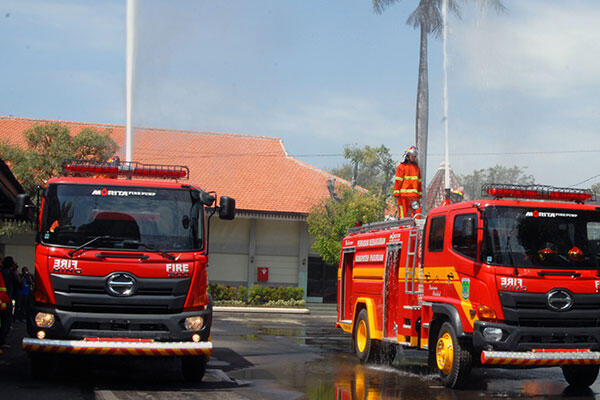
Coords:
pixel 525 338
pixel 540 358
pixel 71 325
pixel 118 348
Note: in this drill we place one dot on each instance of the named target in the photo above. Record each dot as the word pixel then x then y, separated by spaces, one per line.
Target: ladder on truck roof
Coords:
pixel 410 284
pixel 382 225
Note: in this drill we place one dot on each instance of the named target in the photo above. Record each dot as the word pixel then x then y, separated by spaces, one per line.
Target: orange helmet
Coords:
pixel 114 160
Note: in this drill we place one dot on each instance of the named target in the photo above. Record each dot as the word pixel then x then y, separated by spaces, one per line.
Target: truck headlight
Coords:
pixel 194 323
pixel 492 334
pixel 44 320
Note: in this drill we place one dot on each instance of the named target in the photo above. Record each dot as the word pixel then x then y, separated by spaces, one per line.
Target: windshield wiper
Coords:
pixel 151 248
pixel 89 242
pixel 510 256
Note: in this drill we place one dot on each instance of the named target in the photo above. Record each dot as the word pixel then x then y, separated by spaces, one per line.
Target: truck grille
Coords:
pixel 123 326
pixel 531 310
pixel 89 294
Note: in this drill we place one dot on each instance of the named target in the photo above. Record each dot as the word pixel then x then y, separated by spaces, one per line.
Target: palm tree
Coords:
pixel 428 18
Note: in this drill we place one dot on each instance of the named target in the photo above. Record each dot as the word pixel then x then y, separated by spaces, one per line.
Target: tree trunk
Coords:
pixel 422 112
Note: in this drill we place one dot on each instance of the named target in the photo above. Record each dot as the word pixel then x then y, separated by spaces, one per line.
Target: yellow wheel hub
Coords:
pixel 361 336
pixel 444 353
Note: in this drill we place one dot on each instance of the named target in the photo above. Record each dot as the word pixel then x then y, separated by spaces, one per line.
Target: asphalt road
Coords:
pixel 270 356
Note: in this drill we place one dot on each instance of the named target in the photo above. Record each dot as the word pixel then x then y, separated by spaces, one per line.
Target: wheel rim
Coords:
pixel 444 353
pixel 361 336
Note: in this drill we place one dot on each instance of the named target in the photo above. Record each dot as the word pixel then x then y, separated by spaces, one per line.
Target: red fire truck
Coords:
pixel 120 265
pixel 512 280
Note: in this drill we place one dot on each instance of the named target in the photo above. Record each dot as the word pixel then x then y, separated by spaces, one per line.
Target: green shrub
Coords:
pixel 285 303
pixel 242 293
pixel 295 293
pixel 222 292
pixel 256 295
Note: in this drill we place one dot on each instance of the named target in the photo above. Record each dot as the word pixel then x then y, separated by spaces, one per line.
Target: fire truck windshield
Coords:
pixel 131 217
pixel 541 238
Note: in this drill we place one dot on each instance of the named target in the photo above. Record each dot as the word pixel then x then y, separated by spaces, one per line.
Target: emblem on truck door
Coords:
pixel 559 300
pixel 120 284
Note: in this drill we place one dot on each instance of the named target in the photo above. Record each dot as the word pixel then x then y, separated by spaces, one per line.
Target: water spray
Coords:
pixel 131 5
pixel 445 64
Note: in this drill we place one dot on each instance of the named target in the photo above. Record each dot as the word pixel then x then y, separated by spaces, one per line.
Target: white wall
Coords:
pixel 21 248
pixel 230 268
pixel 241 246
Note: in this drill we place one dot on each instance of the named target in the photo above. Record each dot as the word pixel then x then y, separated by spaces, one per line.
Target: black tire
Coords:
pixel 366 349
pixel 388 353
pixel 193 368
pixel 580 375
pixel 452 359
pixel 42 365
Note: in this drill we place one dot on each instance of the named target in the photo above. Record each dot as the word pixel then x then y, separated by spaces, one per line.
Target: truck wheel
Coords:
pixel 366 349
pixel 193 368
pixel 580 375
pixel 387 353
pixel 452 360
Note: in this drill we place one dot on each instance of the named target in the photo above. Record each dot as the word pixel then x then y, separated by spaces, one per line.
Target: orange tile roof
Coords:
pixel 255 170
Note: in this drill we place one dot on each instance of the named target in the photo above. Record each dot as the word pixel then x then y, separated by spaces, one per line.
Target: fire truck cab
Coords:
pixel 512 280
pixel 120 265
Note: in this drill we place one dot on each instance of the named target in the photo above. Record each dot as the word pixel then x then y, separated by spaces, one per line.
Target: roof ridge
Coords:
pixel 187 131
pixel 98 124
pixel 209 133
pixel 315 169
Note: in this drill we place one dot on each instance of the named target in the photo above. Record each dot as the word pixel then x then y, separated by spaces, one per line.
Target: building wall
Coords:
pixel 239 247
pixel 21 248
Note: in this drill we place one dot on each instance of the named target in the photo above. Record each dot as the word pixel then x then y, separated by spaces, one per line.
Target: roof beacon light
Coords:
pixel 127 169
pixel 537 192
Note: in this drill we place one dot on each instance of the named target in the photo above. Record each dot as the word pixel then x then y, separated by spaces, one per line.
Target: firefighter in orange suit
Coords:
pixel 407 186
pixel 3 306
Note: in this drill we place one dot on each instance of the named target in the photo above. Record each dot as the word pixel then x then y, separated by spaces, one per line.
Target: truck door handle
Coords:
pixel 450 276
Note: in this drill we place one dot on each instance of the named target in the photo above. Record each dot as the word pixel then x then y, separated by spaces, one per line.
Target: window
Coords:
pixel 132 216
pixel 524 237
pixel 464 235
pixel 436 233
pixel 593 230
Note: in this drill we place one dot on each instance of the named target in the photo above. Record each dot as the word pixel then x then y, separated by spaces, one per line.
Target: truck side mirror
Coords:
pixel 226 207
pixel 22 205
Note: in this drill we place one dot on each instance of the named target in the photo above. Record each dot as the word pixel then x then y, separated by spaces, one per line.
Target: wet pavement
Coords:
pixel 272 356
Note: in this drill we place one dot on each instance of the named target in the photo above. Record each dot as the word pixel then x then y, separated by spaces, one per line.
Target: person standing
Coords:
pixel 12 283
pixel 4 314
pixel 23 294
pixel 407 185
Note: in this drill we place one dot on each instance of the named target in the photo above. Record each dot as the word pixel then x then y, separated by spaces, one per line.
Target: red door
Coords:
pixel 345 288
pixel 392 292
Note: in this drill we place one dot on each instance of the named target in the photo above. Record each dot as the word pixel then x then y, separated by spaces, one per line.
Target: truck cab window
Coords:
pixel 464 235
pixel 157 217
pixel 436 234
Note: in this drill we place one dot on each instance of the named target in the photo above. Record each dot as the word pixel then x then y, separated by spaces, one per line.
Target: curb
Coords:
pixel 261 310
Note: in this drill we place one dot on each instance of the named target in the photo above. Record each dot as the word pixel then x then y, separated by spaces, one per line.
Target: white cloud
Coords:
pixel 539 48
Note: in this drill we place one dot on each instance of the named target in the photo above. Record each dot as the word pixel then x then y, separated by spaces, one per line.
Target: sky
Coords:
pixel 322 75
